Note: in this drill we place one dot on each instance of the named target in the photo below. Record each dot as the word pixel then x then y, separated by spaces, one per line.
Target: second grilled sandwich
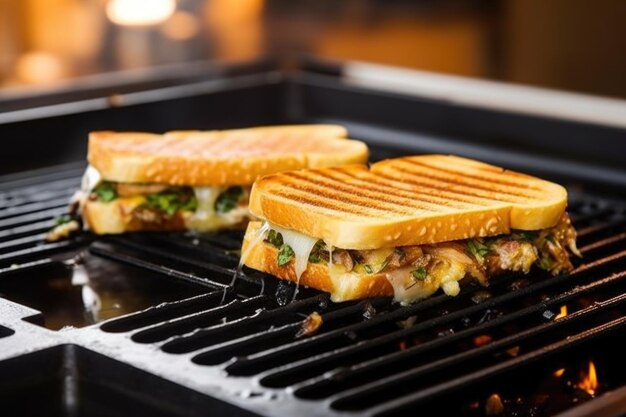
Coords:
pixel 197 180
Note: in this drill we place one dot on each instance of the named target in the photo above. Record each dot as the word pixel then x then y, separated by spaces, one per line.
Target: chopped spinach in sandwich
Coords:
pixel 172 200
pixel 105 191
pixel 481 257
pixel 228 199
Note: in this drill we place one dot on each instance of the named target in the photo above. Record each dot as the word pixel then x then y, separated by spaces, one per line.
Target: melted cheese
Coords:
pixel 343 282
pixel 406 290
pixel 445 275
pixel 91 179
pixel 258 237
pixel 302 246
pixel 206 217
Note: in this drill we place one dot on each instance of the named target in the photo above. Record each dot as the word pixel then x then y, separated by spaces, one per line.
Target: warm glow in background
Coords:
pixel 567 44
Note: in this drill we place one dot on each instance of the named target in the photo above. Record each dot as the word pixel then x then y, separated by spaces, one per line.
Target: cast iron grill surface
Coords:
pixel 243 345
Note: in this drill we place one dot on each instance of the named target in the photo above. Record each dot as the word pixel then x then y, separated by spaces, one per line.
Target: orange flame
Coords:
pixel 589 382
pixel 559 372
pixel 482 340
pixel 494 405
pixel 562 314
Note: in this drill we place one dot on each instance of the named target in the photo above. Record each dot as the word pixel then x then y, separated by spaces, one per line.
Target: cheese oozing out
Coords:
pixel 301 244
pixel 205 217
pixel 91 179
pixel 406 290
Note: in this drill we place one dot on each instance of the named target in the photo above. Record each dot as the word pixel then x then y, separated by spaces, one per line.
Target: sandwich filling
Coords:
pixel 416 272
pixel 160 205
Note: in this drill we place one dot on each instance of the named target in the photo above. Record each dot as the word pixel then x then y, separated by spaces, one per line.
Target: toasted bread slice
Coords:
pixel 407 201
pixel 219 158
pixel 262 257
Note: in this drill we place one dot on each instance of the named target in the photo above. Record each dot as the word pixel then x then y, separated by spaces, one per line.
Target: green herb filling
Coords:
pixel 228 199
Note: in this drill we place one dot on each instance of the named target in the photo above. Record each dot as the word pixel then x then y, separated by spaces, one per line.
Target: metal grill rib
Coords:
pixel 263 359
pixel 391 407
pixel 359 371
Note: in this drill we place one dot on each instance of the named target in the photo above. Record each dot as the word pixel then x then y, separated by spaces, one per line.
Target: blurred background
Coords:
pixel 573 45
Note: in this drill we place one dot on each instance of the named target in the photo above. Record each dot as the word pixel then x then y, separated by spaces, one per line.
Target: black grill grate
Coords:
pixel 370 356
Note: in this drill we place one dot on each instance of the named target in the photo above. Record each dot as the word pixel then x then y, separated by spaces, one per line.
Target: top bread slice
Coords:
pixel 220 157
pixel 407 201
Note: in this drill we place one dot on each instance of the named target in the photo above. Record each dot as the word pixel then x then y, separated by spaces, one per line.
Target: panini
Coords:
pixel 197 180
pixel 406 227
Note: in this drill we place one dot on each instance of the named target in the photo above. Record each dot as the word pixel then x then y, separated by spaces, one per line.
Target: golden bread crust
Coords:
pixel 219 158
pixel 407 201
pixel 262 257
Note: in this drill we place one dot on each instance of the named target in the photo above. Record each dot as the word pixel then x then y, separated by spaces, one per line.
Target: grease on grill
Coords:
pixel 87 290
pixel 368 311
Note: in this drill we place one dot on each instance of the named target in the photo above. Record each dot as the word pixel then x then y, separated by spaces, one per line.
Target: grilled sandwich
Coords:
pixel 197 180
pixel 406 227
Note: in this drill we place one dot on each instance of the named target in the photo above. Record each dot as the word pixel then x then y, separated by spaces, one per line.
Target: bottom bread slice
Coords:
pixel 262 256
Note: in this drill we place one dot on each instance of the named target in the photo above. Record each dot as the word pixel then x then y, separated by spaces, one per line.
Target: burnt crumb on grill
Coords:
pixel 518 284
pixel 64 229
pixel 368 311
pixel 407 323
pixel 513 352
pixel 482 340
pixel 310 325
pixel 489 315
pixel 481 296
pixel 445 332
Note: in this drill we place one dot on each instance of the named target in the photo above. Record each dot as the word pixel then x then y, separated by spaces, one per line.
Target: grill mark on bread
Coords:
pixel 461 178
pixel 373 196
pixel 297 184
pixel 494 211
pixel 393 186
pixel 483 171
pixel 441 185
pixel 371 184
pixel 448 180
pixel 520 191
pixel 318 202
